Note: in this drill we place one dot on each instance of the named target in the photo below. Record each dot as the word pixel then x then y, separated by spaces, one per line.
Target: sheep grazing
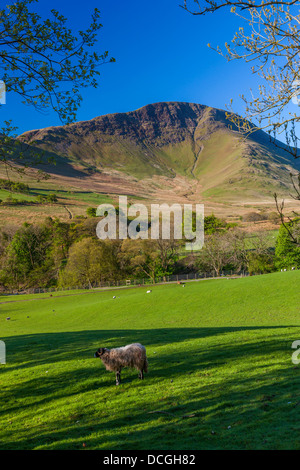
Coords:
pixel 132 355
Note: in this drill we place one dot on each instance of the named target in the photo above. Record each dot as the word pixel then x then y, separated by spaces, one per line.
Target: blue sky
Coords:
pixel 161 55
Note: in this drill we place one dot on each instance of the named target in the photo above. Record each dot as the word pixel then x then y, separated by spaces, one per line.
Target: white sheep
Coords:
pixel 132 355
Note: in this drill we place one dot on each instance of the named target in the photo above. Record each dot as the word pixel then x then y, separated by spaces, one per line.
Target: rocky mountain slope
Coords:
pixel 169 140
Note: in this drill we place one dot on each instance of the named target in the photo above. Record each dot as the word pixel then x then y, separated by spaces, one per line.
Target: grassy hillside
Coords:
pixel 220 371
pixel 69 201
pixel 169 152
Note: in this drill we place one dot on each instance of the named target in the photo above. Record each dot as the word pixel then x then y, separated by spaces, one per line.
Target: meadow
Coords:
pixel 220 369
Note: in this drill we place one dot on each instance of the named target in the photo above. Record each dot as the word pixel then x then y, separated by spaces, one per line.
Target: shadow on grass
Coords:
pixel 37 349
pixel 213 395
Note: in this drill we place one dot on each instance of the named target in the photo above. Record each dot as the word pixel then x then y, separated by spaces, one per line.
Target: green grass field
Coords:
pixel 220 370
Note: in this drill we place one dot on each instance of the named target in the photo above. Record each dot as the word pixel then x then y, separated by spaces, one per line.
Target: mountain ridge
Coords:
pixel 171 139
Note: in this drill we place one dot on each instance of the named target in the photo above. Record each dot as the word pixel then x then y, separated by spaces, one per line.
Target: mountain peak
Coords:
pixel 190 140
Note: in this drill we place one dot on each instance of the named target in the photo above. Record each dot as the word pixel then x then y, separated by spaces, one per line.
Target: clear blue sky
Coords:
pixel 161 55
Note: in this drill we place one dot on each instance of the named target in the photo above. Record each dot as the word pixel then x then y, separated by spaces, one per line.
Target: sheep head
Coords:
pixel 100 352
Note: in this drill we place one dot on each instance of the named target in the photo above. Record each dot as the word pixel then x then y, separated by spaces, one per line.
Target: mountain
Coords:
pixel 169 142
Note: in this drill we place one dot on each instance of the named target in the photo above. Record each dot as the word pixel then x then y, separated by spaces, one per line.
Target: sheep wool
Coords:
pixel 132 355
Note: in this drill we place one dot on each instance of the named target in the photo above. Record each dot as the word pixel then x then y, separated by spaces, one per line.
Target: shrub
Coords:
pixel 51 198
pixel 91 212
pixel 274 217
pixel 14 186
pixel 254 217
pixel 260 263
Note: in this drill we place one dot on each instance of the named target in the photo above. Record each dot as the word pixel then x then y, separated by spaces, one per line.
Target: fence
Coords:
pixel 131 282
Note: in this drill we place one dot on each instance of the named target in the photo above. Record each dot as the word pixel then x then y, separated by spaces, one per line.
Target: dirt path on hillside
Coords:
pixel 69 212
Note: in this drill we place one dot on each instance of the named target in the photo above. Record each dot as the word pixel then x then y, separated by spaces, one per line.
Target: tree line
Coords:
pixel 63 254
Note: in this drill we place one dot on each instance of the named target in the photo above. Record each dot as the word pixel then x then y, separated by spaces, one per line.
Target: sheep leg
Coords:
pixel 141 374
pixel 118 377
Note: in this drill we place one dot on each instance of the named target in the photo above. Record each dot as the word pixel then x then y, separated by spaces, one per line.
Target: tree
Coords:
pixel 90 262
pixel 140 257
pixel 260 256
pixel 167 256
pixel 213 224
pixel 47 64
pixel 287 253
pixel 91 212
pixel 260 263
pixel 201 7
pixel 27 259
pixel 61 238
pixel 268 39
pixel 150 258
pixel 221 251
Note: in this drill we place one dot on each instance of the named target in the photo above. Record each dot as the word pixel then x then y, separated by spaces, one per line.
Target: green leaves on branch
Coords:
pixel 45 62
